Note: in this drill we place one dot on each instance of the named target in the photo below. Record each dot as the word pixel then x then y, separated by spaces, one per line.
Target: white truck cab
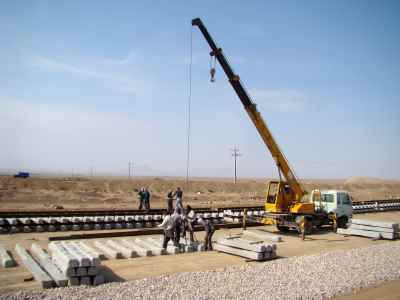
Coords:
pixel 337 202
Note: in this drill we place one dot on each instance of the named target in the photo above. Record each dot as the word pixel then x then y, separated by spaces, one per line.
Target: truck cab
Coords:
pixel 336 202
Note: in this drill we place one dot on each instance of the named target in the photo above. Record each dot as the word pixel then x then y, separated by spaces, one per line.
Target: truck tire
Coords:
pixel 282 228
pixel 341 222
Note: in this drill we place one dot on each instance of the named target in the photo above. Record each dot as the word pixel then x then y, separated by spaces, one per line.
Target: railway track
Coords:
pixel 14 221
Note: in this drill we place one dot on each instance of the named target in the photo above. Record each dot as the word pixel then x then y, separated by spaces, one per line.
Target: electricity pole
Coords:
pixel 130 169
pixel 235 154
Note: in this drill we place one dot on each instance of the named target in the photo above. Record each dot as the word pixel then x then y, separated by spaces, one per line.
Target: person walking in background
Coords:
pixel 209 229
pixel 141 196
pixel 178 194
pixel 170 200
pixel 147 198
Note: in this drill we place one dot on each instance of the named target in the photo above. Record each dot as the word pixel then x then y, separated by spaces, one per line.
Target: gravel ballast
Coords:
pixel 319 276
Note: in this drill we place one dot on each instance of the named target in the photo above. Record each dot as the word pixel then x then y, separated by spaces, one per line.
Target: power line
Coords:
pixel 235 154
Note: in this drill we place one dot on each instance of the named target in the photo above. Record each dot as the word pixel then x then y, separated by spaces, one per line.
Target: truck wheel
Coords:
pixel 342 221
pixel 282 228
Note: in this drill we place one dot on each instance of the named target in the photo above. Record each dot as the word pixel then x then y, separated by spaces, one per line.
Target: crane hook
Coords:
pixel 212 68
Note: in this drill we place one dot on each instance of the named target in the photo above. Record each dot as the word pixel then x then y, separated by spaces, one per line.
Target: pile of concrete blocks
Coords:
pixel 141 247
pixel 372 229
pixel 254 250
pixel 5 258
pixel 80 263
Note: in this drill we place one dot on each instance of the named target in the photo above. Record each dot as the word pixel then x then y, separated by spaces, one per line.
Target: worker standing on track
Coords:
pixel 178 194
pixel 209 229
pixel 170 200
pixel 189 220
pixel 177 225
pixel 141 197
pixel 147 198
pixel 168 226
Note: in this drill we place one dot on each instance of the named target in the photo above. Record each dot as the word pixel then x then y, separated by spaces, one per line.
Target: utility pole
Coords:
pixel 91 172
pixel 130 169
pixel 235 154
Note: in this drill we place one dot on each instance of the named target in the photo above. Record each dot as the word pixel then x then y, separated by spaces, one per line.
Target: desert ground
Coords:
pixel 115 192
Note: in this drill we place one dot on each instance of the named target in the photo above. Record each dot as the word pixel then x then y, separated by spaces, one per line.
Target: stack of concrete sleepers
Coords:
pixel 246 248
pixel 372 229
pixel 78 262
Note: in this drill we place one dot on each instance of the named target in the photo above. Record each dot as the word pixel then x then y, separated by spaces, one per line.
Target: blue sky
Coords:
pixel 98 83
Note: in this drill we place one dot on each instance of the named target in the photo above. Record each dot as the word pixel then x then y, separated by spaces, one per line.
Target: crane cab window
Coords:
pixel 328 198
pixel 272 192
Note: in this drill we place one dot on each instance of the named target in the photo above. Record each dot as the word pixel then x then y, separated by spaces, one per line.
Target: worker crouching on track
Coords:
pixel 209 230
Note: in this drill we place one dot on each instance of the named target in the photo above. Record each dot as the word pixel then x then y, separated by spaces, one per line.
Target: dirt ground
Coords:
pixel 135 268
pixel 115 192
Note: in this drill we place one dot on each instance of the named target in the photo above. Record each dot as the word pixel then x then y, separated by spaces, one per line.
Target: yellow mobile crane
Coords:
pixel 285 202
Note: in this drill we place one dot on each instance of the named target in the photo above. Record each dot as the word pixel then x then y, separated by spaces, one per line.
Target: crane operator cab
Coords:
pixel 282 199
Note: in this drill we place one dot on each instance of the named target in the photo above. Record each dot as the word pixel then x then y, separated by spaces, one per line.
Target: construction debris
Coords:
pixel 372 229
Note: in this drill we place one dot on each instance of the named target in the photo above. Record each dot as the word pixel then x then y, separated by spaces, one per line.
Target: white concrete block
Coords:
pixel 371 228
pixel 107 250
pixel 128 253
pixel 78 253
pixel 394 226
pixel 135 247
pixel 242 244
pixel 170 249
pixel 155 250
pixel 37 272
pixel 93 271
pixel 85 281
pixel 6 259
pixel 73 281
pixel 239 252
pixel 62 254
pixel 45 260
pixel 366 233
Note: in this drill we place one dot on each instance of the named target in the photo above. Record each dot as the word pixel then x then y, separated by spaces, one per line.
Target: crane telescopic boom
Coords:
pixel 253 113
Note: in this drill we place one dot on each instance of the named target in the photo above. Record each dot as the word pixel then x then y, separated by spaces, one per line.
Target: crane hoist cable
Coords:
pixel 189 106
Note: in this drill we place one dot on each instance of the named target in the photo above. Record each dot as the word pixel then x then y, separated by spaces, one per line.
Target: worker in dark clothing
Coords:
pixel 209 229
pixel 178 194
pixel 177 224
pixel 170 200
pixel 146 199
pixel 141 197
pixel 189 220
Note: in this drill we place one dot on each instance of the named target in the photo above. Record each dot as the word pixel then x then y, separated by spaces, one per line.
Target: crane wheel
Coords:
pixel 341 222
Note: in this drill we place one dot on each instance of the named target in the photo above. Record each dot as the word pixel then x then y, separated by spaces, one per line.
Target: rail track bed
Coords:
pixel 15 221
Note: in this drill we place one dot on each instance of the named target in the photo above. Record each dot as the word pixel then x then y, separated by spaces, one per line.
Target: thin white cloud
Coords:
pixel 109 78
pixel 286 101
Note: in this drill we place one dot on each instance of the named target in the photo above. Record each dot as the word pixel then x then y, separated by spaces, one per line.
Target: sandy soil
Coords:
pixel 114 192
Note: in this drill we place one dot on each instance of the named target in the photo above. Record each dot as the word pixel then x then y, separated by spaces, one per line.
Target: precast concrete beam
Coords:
pixel 40 276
